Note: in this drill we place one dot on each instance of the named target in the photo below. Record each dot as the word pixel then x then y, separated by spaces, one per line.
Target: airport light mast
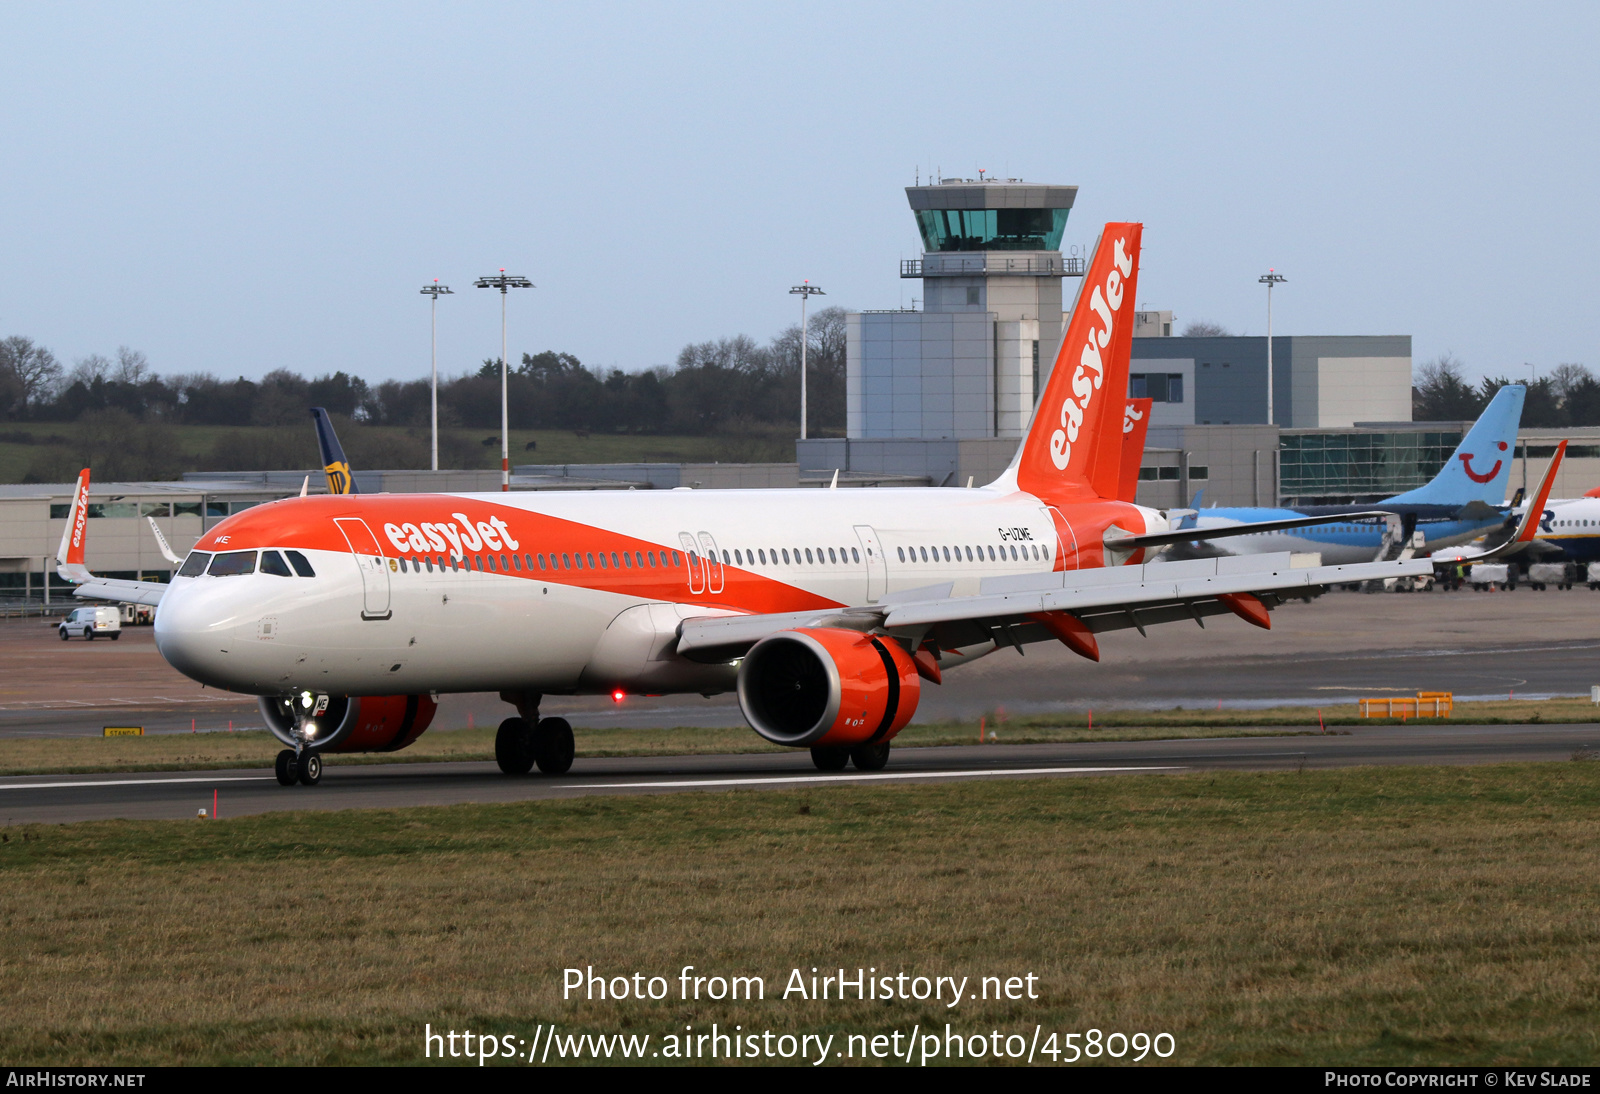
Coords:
pixel 805 291
pixel 1269 279
pixel 435 291
pixel 503 282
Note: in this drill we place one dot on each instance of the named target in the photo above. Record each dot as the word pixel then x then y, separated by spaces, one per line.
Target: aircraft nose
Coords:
pixel 191 636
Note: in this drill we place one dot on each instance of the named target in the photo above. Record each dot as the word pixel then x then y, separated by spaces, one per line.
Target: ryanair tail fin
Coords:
pixel 1480 467
pixel 1135 424
pixel 340 481
pixel 1073 448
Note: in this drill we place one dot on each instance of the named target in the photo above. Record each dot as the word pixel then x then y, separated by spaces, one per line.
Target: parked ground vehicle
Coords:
pixel 1544 574
pixel 1491 576
pixel 137 615
pixel 97 622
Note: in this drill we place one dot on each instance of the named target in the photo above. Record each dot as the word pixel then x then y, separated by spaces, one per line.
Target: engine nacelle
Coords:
pixel 826 686
pixel 351 723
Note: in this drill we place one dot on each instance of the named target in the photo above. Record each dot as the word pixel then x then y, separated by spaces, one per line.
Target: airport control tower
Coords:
pixel 968 364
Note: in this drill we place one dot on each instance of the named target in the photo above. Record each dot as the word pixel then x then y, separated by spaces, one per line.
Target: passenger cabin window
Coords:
pixel 300 564
pixel 195 564
pixel 233 563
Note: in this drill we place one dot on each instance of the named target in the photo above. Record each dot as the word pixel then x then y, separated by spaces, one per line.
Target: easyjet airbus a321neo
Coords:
pixel 826 610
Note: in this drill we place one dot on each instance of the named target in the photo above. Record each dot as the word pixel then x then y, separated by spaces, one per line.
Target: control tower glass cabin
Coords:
pixel 971 362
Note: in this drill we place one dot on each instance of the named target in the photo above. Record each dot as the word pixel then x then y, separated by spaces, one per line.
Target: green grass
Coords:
pixel 196 444
pixel 1375 917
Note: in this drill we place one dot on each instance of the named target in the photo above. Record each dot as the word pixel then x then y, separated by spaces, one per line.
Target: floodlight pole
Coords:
pixel 1269 279
pixel 805 291
pixel 435 291
pixel 503 281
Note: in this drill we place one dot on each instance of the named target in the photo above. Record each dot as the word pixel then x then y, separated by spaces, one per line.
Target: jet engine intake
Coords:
pixel 825 686
pixel 348 723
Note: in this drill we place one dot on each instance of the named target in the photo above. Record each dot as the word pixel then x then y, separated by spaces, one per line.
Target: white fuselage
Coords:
pixel 408 618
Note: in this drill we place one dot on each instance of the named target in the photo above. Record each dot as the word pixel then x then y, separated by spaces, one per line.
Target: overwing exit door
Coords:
pixel 877 565
pixel 373 565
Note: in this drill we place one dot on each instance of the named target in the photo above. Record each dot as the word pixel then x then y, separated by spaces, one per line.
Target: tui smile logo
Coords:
pixel 1466 465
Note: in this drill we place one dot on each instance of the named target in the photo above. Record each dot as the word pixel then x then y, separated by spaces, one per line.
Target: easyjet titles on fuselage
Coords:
pixel 474 536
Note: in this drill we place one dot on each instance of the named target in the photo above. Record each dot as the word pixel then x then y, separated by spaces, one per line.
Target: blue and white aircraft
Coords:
pixel 1466 499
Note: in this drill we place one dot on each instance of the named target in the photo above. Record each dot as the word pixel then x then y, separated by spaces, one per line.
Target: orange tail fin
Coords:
pixel 70 553
pixel 1073 449
pixel 1135 424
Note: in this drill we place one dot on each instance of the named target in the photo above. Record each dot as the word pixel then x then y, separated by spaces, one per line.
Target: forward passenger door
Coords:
pixel 373 565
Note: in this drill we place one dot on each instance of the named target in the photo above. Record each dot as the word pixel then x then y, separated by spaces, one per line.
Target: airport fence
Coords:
pixel 21 608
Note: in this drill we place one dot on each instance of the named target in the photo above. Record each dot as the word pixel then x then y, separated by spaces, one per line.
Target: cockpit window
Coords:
pixel 272 563
pixel 300 564
pixel 232 563
pixel 195 564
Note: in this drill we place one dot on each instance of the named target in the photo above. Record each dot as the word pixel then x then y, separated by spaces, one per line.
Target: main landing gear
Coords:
pixel 547 742
pixel 866 757
pixel 305 768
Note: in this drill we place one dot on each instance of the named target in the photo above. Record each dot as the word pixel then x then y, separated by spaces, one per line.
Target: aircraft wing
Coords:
pixel 121 591
pixel 1034 607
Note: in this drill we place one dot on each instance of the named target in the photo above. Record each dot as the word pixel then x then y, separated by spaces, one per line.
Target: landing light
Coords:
pixel 305 699
pixel 311 730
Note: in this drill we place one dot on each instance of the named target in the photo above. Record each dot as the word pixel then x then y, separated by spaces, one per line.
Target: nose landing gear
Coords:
pixel 306 768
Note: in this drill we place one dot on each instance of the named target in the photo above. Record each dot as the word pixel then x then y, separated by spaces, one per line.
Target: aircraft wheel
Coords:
pixel 285 768
pixel 553 746
pixel 870 757
pixel 830 759
pixel 310 769
pixel 513 747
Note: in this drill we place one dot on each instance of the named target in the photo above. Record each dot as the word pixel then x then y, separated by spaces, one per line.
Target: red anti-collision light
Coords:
pixel 616 696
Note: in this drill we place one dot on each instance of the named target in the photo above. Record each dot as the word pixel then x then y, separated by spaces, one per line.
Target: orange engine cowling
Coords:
pixel 827 686
pixel 351 723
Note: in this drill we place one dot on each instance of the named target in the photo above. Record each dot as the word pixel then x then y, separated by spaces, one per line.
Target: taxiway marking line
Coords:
pixel 868 778
pixel 138 782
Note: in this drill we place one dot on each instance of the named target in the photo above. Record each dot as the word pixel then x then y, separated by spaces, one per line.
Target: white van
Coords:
pixel 94 622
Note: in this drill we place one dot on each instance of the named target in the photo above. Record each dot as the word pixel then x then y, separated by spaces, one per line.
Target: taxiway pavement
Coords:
pixel 172 795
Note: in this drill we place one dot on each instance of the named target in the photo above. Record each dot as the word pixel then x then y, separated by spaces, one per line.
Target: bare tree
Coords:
pixel 30 371
pixel 1202 328
pixel 1567 378
pixel 133 368
pixel 90 370
pixel 1440 392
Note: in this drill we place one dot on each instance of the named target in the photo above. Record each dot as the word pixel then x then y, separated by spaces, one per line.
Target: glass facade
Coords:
pixel 1352 465
pixel 1160 387
pixel 991 229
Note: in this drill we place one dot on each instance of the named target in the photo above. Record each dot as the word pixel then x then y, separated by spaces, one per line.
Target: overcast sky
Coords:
pixel 238 188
